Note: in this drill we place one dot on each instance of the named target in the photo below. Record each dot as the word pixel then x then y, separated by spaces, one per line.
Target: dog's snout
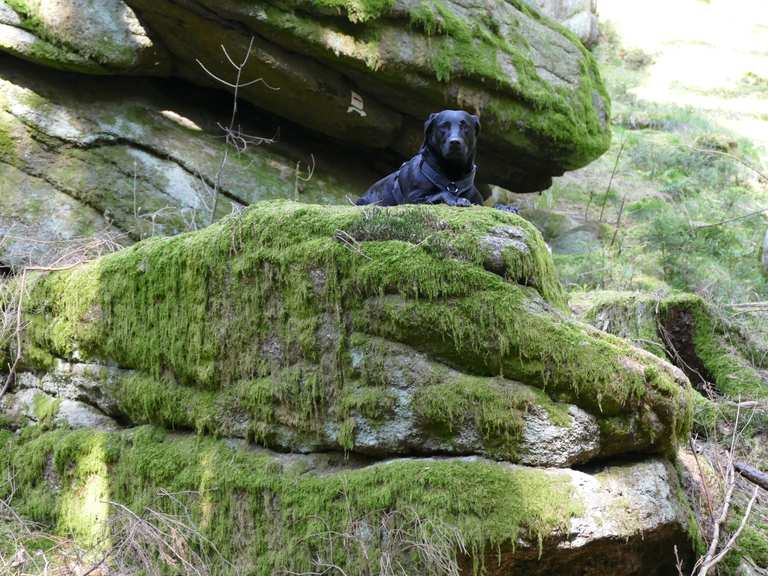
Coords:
pixel 454 143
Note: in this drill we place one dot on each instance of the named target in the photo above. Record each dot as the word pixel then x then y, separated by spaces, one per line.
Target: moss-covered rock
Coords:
pixel 685 329
pixel 284 316
pixel 340 67
pixel 259 513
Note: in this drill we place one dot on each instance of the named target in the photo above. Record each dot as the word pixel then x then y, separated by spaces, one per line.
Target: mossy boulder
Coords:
pixel 339 68
pixel 306 327
pixel 717 356
pixel 252 512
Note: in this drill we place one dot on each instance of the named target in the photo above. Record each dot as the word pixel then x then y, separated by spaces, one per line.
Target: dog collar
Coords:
pixel 456 188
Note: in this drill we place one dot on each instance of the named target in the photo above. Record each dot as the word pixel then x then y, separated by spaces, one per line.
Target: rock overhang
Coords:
pixel 341 69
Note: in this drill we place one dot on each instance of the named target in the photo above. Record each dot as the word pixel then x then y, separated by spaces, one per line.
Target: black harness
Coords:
pixel 441 182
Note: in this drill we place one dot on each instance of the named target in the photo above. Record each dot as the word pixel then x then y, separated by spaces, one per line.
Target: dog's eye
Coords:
pixel 445 126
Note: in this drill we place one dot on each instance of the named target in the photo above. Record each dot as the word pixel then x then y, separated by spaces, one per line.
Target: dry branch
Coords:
pixel 717 549
pixel 234 136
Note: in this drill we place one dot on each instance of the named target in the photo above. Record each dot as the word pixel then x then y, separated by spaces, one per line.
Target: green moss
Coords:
pixel 282 520
pixel 149 401
pixel 375 405
pixel 7 143
pixel 496 408
pixel 45 409
pixel 631 315
pixel 752 544
pixel 731 374
pixel 359 10
pixel 347 434
pixel 269 299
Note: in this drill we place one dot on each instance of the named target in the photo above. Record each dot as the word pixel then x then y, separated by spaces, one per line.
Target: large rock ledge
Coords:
pixel 531 429
pixel 289 512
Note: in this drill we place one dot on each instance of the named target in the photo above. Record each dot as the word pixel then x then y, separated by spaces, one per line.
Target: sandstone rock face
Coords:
pixel 133 160
pixel 341 69
pixel 428 348
pixel 90 36
pixel 579 16
pixel 442 55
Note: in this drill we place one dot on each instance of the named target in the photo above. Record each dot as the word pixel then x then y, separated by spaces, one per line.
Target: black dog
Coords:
pixel 442 172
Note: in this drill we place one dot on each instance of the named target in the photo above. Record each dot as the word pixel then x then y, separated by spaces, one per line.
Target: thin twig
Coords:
pixel 233 136
pixel 298 176
pixel 734 219
pixel 12 368
pixel 610 181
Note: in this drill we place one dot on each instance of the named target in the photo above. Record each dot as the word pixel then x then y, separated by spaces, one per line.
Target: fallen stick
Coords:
pixel 752 474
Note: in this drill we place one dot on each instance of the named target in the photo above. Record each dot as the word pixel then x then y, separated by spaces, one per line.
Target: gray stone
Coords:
pixel 21 408
pixel 579 16
pixel 546 444
pixel 79 415
pixel 583 239
pixel 131 163
pixel 498 242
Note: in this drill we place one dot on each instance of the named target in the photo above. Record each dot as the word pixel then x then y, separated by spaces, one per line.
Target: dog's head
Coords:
pixel 452 135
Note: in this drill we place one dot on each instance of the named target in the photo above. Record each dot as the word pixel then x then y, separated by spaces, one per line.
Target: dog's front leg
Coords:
pixel 447 198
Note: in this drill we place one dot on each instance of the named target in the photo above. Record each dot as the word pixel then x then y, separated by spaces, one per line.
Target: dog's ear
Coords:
pixel 428 126
pixel 476 122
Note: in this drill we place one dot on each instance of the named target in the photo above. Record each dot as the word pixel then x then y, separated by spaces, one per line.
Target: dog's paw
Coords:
pixel 507 208
pixel 461 202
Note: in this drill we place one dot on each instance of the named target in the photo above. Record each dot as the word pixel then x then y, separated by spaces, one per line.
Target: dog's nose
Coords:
pixel 454 143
